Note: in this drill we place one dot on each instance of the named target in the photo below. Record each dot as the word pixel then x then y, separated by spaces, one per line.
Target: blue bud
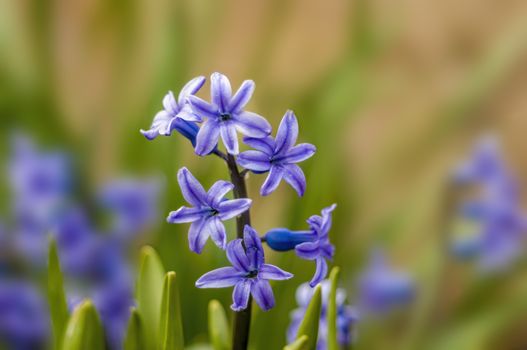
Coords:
pixel 282 239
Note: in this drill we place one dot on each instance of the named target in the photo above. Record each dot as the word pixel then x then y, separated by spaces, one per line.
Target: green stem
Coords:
pixel 242 319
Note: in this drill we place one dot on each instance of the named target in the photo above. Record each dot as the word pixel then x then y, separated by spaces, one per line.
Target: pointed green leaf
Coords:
pixel 301 343
pixel 219 330
pixel 84 330
pixel 332 310
pixel 148 293
pixel 171 327
pixel 58 307
pixel 134 339
pixel 309 325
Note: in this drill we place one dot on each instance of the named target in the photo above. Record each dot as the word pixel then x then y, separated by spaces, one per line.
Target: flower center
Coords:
pixel 252 274
pixel 225 116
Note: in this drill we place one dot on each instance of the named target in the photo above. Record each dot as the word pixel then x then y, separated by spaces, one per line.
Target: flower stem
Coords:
pixel 242 319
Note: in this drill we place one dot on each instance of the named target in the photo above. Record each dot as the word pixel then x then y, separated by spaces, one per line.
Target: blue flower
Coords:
pixel 132 204
pixel 310 245
pixel 491 224
pixel 208 211
pixel 382 289
pixel 249 273
pixel 278 157
pixel 23 316
pixel 177 114
pixel 347 316
pixel 225 116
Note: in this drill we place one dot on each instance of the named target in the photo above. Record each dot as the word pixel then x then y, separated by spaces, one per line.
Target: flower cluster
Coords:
pixel 93 257
pixel 347 316
pixel 491 226
pixel 223 117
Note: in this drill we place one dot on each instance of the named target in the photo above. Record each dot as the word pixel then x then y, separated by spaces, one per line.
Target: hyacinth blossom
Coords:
pixel 208 211
pixel 177 114
pixel 225 116
pixel 278 156
pixel 90 256
pixel 23 317
pixel 249 274
pixel 347 316
pixel 491 224
pixel 383 289
pixel 310 245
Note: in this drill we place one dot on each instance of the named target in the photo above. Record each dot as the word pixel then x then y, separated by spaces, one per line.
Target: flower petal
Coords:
pixel 265 144
pixel 188 129
pixel 190 116
pixel 207 137
pixel 220 91
pixel 229 137
pixel 263 294
pixel 273 180
pixel 240 295
pixel 190 88
pixel 299 153
pixel 253 247
pixel 184 214
pixel 242 96
pixel 197 236
pixel 217 231
pixel 237 257
pixel 218 191
pixel 202 108
pixel 160 125
pixel 234 207
pixel 254 160
pixel 220 278
pixel 287 133
pixel 308 250
pixel 170 104
pixel 271 272
pixel 320 273
pixel 252 124
pixel 191 189
pixel 294 176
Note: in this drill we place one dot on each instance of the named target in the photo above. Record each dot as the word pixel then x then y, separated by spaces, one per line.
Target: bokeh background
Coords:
pixel 392 93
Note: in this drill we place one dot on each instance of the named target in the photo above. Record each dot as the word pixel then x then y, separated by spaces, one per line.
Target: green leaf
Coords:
pixel 148 294
pixel 84 330
pixel 219 330
pixel 58 306
pixel 332 310
pixel 171 327
pixel 134 339
pixel 301 343
pixel 309 325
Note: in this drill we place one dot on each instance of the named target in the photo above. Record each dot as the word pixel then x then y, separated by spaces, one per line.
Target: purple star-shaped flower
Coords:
pixel 208 212
pixel 225 116
pixel 177 114
pixel 278 157
pixel 249 274
pixel 320 248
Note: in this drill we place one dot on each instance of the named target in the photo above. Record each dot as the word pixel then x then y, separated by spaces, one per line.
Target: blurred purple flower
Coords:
pixel 347 316
pixel 382 289
pixel 492 225
pixel 225 116
pixel 310 245
pixel 23 317
pixel 132 203
pixel 249 273
pixel 208 212
pixel 177 114
pixel 278 157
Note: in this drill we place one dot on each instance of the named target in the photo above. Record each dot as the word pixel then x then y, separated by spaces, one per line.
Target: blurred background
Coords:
pixel 392 93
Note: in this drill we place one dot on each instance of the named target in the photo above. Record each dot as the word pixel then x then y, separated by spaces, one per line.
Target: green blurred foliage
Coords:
pixel 389 92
